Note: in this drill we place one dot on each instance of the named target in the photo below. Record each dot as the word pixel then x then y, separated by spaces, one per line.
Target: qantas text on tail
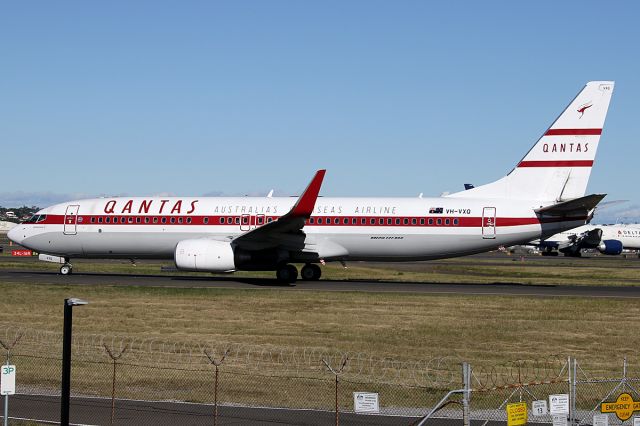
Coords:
pixel 544 194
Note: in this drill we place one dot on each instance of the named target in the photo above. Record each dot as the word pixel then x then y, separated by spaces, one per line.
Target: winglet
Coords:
pixel 307 201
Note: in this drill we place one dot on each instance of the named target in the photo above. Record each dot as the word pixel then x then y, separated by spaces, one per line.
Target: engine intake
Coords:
pixel 204 256
pixel 610 247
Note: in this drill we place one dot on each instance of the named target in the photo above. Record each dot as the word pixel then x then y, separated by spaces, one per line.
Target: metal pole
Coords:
pixel 66 364
pixel 466 377
pixel 215 400
pixel 6 402
pixel 113 394
pixel 337 410
pixel 574 392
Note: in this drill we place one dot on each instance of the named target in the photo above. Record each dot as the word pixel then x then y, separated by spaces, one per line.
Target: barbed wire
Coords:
pixel 435 372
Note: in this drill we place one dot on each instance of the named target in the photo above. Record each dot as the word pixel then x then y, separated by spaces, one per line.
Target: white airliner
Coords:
pixel 544 194
pixel 608 239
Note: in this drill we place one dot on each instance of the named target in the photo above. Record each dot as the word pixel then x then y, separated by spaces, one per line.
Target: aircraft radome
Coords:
pixel 544 194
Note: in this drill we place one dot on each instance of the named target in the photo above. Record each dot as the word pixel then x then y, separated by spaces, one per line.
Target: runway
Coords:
pixel 186 281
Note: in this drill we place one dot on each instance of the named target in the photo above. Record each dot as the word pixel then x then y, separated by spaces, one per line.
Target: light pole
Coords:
pixel 66 358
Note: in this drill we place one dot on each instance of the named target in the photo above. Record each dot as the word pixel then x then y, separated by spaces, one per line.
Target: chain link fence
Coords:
pixel 122 380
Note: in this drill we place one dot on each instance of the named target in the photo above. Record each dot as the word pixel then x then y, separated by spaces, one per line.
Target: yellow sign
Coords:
pixel 624 406
pixel 517 414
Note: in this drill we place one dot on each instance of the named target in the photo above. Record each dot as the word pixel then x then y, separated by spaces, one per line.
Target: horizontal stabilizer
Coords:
pixel 582 205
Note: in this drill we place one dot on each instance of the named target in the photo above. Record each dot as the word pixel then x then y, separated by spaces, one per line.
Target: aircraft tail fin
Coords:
pixel 558 166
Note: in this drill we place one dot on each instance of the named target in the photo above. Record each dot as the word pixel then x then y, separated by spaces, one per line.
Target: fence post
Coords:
pixel 573 383
pixel 466 395
pixel 217 364
pixel 336 374
pixel 115 359
pixel 8 348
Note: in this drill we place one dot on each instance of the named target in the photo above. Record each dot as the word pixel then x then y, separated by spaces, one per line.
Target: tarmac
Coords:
pixel 187 281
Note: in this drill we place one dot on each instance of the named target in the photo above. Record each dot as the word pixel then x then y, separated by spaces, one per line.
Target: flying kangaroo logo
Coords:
pixel 583 108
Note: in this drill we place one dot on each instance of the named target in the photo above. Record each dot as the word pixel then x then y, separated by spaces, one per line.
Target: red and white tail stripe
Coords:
pixel 558 166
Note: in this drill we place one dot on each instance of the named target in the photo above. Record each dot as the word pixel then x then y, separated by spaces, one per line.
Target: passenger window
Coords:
pixel 439 221
pixel 108 220
pixel 447 221
pixel 336 221
pixel 372 221
pixel 414 221
pixel 123 220
pixel 138 220
pixel 455 221
pixel 381 221
pixel 164 220
pixel 430 221
pixel 260 220
pixel 397 221
pixel 364 221
pixel 179 220
pixel 422 221
pixel 345 221
pixel 269 220
pixel 189 220
pixel 99 220
pixel 311 220
pixel 319 221
pixel 147 220
pixel 115 220
pixel 205 220
pixel 93 220
pixel 155 220
pixel 237 221
pixel 405 221
pixel 389 221
pixel 354 221
pixel 173 220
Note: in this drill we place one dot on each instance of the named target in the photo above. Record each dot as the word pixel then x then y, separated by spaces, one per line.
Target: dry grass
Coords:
pixel 404 326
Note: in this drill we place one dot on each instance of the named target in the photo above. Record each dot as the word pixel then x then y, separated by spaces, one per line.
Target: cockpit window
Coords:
pixel 36 218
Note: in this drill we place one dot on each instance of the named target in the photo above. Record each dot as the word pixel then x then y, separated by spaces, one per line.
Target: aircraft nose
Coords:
pixel 15 234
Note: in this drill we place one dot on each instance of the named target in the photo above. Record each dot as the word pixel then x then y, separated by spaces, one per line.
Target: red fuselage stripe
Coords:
pixel 557 163
pixel 258 220
pixel 573 132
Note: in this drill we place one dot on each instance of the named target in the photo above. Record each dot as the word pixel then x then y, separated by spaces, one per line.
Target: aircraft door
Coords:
pixel 245 222
pixel 489 222
pixel 71 220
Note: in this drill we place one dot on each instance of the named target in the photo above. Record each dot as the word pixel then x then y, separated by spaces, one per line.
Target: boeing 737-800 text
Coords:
pixel 543 195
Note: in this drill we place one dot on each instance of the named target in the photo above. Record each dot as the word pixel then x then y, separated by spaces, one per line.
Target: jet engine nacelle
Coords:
pixel 204 256
pixel 611 247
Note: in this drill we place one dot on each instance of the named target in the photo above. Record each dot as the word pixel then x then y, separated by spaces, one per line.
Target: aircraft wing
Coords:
pixel 587 239
pixel 286 232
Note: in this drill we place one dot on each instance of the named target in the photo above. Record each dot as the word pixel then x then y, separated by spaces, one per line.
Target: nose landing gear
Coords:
pixel 66 269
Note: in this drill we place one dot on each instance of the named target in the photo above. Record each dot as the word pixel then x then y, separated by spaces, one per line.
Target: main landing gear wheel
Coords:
pixel 310 272
pixel 287 274
pixel 66 270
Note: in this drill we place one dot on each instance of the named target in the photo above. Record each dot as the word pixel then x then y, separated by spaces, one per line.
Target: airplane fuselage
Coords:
pixel 339 228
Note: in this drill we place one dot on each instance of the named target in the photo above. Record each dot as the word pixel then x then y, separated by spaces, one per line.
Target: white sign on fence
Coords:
pixel 365 402
pixel 559 404
pixel 600 420
pixel 539 408
pixel 559 420
pixel 8 380
pixel 636 421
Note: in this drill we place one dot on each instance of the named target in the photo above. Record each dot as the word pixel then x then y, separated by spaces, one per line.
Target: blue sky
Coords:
pixel 239 97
